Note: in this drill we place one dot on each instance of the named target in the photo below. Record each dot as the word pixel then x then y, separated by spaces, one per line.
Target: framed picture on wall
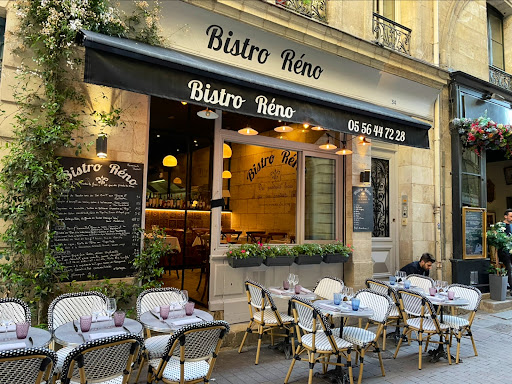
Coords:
pixel 491 218
pixel 508 175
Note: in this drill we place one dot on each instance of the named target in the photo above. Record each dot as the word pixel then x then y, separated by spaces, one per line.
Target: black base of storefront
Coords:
pixel 461 271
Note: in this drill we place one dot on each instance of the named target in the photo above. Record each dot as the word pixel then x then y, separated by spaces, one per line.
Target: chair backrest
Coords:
pixel 258 296
pixel 156 297
pixel 424 282
pixel 327 286
pixel 415 304
pixel 192 343
pixel 71 306
pixel 15 310
pixel 101 360
pixel 472 294
pixel 26 366
pixel 380 303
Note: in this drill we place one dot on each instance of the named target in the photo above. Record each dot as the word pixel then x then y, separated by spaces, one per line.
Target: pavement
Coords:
pixel 492 333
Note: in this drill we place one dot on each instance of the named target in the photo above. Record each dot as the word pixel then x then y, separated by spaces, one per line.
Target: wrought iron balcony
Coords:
pixel 310 8
pixel 391 35
pixel 500 78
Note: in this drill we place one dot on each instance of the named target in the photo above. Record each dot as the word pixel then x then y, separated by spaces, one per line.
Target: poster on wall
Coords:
pixel 473 233
pixel 98 235
pixel 362 208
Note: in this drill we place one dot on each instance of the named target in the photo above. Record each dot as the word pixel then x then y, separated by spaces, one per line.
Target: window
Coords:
pixel 385 8
pixel 495 38
pixel 2 36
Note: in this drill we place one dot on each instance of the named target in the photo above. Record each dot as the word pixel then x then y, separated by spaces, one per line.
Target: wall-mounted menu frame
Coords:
pixel 474 224
pixel 362 209
pixel 100 220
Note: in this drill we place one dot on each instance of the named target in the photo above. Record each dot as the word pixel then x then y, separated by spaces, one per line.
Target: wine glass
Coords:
pixel 111 306
pixel 349 292
pixel 438 284
pixel 295 280
pixel 397 276
pixel 184 298
pixel 444 286
pixel 403 275
pixel 290 280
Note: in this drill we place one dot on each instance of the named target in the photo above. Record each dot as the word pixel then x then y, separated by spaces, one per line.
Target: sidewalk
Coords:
pixel 492 334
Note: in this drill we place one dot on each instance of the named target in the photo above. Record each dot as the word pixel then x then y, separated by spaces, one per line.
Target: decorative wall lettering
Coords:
pixel 289 160
pixel 264 161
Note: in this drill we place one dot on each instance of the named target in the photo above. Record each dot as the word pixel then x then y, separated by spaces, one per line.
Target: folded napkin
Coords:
pixel 182 322
pixel 97 319
pixel 305 290
pixel 100 335
pixel 438 299
pixel 10 328
pixel 9 346
pixel 278 290
pixel 330 307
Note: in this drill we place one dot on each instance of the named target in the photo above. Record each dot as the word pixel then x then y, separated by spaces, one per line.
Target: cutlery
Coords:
pixel 75 327
pixel 200 318
pixel 31 341
pixel 159 318
pixel 126 329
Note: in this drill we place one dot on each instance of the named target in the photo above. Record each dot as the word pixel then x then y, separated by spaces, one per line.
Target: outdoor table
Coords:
pixel 67 336
pixel 36 337
pixel 397 286
pixel 153 322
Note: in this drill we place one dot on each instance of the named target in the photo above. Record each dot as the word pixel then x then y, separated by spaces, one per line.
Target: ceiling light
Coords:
pixel 318 128
pixel 361 138
pixel 177 180
pixel 226 151
pixel 248 131
pixel 157 135
pixel 283 128
pixel 170 161
pixel 226 175
pixel 327 146
pixel 207 114
pixel 184 102
pixel 344 151
pixel 305 125
pixel 364 142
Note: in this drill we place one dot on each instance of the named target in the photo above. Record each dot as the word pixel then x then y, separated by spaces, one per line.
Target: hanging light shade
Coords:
pixel 318 128
pixel 101 145
pixel 226 151
pixel 344 151
pixel 283 128
pixel 170 161
pixel 364 142
pixel 248 131
pixel 184 103
pixel 207 114
pixel 177 180
pixel 305 125
pixel 327 146
pixel 226 175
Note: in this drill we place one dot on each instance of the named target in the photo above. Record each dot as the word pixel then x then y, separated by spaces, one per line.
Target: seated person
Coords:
pixel 421 267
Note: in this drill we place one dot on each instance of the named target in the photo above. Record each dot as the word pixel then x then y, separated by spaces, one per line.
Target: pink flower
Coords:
pixel 230 251
pixel 268 247
pixel 243 250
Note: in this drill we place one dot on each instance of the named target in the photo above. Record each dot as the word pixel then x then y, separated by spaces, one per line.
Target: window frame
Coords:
pixel 494 12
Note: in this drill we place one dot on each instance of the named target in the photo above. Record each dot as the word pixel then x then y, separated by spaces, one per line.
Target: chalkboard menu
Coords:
pixel 98 233
pixel 362 207
pixel 473 233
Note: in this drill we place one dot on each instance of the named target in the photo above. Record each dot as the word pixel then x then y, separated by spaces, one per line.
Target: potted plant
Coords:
pixel 280 255
pixel 336 252
pixel 308 254
pixel 245 255
pixel 497 282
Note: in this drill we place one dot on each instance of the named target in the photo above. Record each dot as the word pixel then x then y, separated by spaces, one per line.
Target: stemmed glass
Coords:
pixel 295 280
pixel 444 286
pixel 290 280
pixel 111 306
pixel 348 292
pixel 403 275
pixel 438 284
pixel 397 276
pixel 184 298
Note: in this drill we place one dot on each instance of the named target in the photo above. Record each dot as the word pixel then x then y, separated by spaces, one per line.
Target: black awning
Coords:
pixel 137 67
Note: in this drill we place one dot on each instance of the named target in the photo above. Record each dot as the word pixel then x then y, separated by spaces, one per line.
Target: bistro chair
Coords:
pixel 15 310
pixel 190 354
pixel 264 314
pixel 363 339
pixel 108 360
pixel 316 338
pixel 395 315
pixel 461 326
pixel 419 315
pixel 27 366
pixel 327 286
pixel 424 282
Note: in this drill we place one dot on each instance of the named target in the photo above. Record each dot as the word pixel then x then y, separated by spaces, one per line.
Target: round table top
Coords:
pixel 343 310
pixel 152 322
pixel 282 293
pixel 67 336
pixel 443 301
pixel 36 337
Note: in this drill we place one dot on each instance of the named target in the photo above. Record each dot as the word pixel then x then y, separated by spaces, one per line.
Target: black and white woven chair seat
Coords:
pixel 194 370
pixel 455 321
pixel 155 346
pixel 269 317
pixel 322 342
pixel 61 356
pixel 394 312
pixel 117 380
pixel 357 336
pixel 23 366
pixel 428 324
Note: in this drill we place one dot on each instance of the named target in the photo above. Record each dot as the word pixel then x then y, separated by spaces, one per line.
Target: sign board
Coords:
pixel 473 233
pixel 362 208
pixel 100 219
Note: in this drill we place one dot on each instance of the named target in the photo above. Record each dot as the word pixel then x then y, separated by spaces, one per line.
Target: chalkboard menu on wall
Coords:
pixel 362 207
pixel 100 218
pixel 473 233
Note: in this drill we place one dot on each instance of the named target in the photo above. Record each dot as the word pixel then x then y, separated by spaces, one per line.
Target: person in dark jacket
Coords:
pixel 421 267
pixel 503 254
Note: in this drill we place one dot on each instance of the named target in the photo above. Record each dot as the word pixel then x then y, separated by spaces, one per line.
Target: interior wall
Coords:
pixel 496 174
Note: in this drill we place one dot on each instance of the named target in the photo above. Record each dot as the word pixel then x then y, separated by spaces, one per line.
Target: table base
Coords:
pixel 440 353
pixel 283 346
pixel 337 375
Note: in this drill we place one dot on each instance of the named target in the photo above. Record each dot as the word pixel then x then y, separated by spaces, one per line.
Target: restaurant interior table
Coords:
pixel 36 338
pixel 153 322
pixel 66 334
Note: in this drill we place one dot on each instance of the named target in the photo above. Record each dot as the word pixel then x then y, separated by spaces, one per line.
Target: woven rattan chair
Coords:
pixel 363 339
pixel 394 316
pixel 419 315
pixel 190 354
pixel 316 338
pixel 327 286
pixel 265 316
pixel 104 361
pixel 26 366
pixel 461 326
pixel 424 282
pixel 15 310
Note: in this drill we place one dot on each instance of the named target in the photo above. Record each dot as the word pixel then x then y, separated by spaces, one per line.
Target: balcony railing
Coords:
pixel 500 78
pixel 310 8
pixel 391 35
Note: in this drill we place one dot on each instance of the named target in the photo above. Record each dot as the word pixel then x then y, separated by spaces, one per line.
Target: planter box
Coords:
pixel 335 258
pixel 304 259
pixel 244 263
pixel 498 287
pixel 279 261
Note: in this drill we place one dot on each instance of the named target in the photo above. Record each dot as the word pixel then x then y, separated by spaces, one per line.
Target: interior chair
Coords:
pixel 363 339
pixel 317 339
pixel 461 326
pixel 15 310
pixel 419 315
pixel 327 286
pixel 107 360
pixel 394 316
pixel 265 316
pixel 424 282
pixel 27 366
pixel 190 354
